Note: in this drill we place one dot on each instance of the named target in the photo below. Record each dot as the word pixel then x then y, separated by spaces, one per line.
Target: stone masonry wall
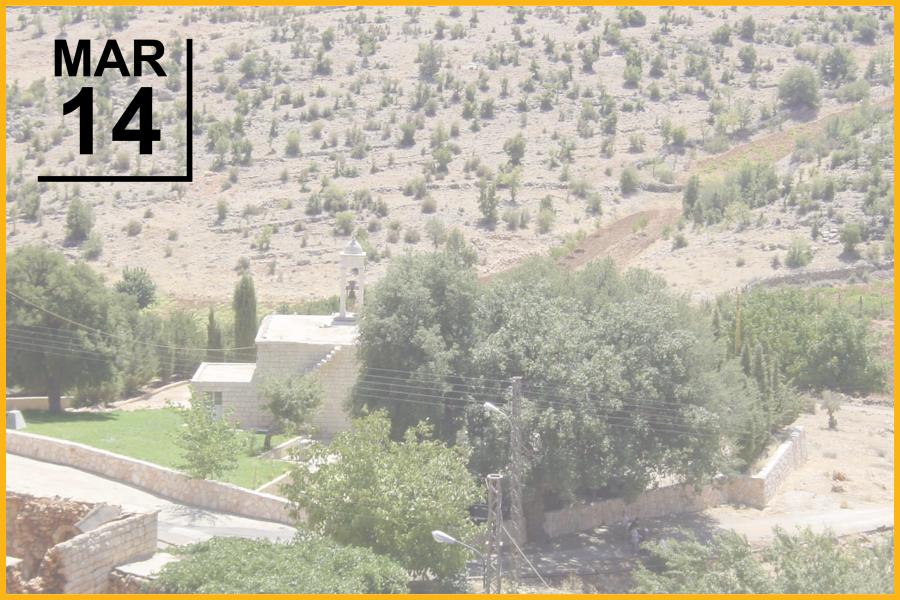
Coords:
pixel 787 457
pixel 87 560
pixel 241 400
pixel 213 495
pixel 755 491
pixel 281 358
pixel 337 373
pixel 58 557
pixel 36 402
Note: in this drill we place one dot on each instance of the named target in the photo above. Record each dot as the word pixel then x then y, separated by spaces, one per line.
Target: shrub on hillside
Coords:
pixel 79 221
pixel 799 89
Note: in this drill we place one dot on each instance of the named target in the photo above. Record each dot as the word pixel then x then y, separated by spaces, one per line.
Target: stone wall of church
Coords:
pixel 281 358
pixel 337 373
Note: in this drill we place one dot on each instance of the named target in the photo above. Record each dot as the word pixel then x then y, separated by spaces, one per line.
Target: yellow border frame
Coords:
pixel 374 3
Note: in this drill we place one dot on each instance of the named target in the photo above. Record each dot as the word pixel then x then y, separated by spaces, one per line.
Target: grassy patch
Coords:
pixel 872 300
pixel 149 435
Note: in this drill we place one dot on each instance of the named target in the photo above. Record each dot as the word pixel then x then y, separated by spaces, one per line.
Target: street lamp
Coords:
pixel 491 407
pixel 445 538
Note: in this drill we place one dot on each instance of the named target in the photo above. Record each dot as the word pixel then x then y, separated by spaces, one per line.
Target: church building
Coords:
pixel 289 345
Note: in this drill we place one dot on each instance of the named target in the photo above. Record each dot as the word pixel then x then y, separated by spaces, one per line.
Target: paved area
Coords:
pixel 179 524
pixel 757 526
pixel 176 395
pixel 606 552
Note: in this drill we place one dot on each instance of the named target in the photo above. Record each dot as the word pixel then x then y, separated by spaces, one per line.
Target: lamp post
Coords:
pixel 515 469
pixel 516 458
pixel 445 538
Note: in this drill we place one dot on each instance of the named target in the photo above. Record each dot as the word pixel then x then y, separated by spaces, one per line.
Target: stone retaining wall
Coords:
pixel 275 486
pixel 755 491
pixel 787 457
pixel 36 402
pixel 813 276
pixel 212 495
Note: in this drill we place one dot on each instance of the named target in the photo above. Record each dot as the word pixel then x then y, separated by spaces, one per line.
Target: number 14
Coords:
pixel 142 103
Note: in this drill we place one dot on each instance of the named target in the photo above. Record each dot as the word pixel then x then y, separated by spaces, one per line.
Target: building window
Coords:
pixel 216 398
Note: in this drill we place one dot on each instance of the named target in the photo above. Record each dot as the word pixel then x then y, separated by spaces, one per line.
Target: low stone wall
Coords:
pixel 286 450
pixel 275 486
pixel 755 491
pixel 813 276
pixel 36 403
pixel 213 495
pixel 86 561
pixel 788 456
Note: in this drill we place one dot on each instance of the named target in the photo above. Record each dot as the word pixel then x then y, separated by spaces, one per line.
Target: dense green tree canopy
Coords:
pixel 624 382
pixel 310 564
pixel 420 319
pixel 817 344
pixel 368 490
pixel 57 314
pixel 798 88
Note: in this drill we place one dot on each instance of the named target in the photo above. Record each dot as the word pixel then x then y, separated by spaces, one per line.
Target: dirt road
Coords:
pixel 625 239
pixel 758 528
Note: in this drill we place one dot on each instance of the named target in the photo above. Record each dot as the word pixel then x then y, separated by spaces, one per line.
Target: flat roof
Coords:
pixel 224 373
pixel 307 329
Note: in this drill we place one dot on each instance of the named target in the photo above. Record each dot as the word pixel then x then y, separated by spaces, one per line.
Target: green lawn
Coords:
pixel 149 435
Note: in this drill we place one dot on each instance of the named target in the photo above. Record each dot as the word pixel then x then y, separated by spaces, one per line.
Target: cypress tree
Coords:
pixel 760 372
pixel 745 359
pixel 245 323
pixel 214 352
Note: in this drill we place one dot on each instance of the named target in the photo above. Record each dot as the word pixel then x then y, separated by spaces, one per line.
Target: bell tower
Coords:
pixel 353 275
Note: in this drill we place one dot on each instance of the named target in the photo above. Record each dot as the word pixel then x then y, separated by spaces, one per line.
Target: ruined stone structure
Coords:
pixel 69 547
pixel 288 345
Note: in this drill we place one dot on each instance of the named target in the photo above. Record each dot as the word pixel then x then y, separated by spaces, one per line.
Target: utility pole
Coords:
pixel 493 572
pixel 517 515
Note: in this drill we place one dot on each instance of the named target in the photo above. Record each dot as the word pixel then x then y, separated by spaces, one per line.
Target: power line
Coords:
pixel 655 417
pixel 559 400
pixel 612 420
pixel 527 560
pixel 491 390
pixel 100 331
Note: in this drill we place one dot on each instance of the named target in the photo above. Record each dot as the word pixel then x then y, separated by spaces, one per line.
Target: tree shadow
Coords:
pixel 802 114
pixel 849 257
pixel 43 417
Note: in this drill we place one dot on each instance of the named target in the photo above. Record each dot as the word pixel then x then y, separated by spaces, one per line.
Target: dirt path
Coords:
pixel 178 394
pixel 625 239
pixel 759 529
